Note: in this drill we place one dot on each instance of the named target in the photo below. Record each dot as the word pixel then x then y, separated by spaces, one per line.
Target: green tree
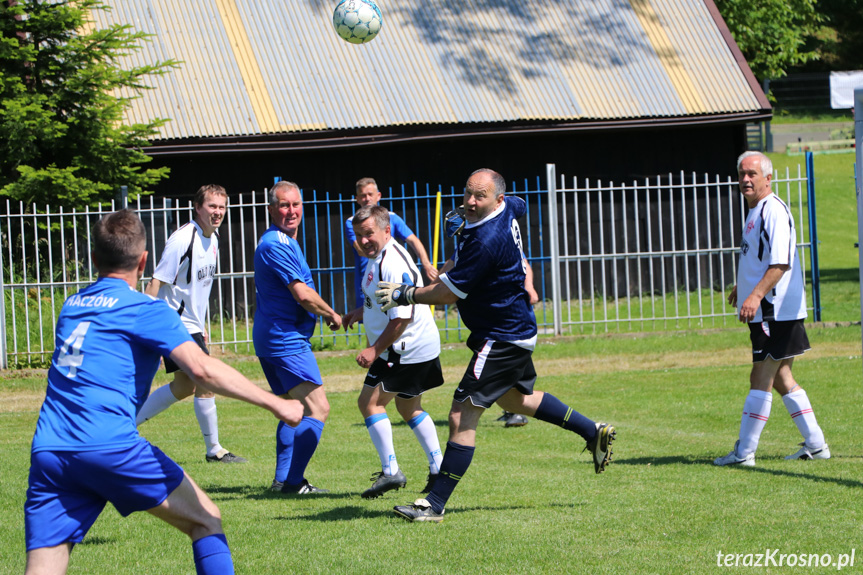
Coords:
pixel 774 35
pixel 63 95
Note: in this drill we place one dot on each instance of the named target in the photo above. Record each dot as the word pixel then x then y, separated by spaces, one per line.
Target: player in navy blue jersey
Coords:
pixel 286 311
pixel 86 449
pixel 486 278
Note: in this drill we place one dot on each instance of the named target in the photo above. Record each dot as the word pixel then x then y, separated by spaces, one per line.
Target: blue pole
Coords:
pixel 813 237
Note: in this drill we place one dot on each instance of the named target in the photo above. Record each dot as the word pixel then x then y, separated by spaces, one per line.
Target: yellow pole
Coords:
pixel 436 234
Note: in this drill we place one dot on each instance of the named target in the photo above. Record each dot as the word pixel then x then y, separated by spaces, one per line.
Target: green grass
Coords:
pixel 530 502
pixel 836 211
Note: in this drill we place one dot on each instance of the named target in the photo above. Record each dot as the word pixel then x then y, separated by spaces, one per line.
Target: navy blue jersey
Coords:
pixel 109 339
pixel 489 276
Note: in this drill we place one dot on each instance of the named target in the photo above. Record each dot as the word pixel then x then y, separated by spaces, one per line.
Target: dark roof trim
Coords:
pixel 347 139
pixel 738 55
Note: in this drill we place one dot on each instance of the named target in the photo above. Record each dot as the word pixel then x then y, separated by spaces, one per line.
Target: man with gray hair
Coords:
pixel 402 356
pixel 771 299
pixel 286 311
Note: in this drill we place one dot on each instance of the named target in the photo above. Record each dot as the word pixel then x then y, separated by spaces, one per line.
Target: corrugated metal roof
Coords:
pixel 258 67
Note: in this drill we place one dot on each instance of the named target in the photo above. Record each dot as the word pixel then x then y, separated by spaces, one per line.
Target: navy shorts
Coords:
pixel 405 379
pixel 68 489
pixel 285 372
pixel 171 367
pixel 495 368
pixel 778 340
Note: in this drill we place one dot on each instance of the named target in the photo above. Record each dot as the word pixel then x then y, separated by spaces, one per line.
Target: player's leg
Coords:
pixel 208 420
pixel 164 397
pixel 48 560
pixel 307 435
pixel 372 404
pixel 800 409
pixel 190 510
pixel 424 429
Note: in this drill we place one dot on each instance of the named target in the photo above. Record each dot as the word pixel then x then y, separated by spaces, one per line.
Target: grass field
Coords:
pixel 530 503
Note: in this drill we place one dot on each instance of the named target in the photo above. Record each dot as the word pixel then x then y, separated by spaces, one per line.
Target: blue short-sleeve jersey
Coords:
pixel 489 276
pixel 109 339
pixel 398 229
pixel 282 326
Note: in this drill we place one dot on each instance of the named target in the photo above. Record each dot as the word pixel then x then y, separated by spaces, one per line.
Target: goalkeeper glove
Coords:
pixel 390 295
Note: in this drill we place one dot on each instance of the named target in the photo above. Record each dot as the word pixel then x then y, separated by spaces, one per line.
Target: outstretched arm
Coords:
pixel 414 242
pixel 311 301
pixel 225 380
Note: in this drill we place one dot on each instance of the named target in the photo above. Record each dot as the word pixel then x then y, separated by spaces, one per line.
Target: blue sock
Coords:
pixel 554 411
pixel 212 555
pixel 284 450
pixel 456 460
pixel 308 435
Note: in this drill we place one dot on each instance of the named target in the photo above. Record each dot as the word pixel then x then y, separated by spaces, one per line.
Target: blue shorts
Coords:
pixel 285 372
pixel 68 489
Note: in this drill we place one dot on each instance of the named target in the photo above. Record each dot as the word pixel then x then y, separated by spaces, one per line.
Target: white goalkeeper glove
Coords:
pixel 390 295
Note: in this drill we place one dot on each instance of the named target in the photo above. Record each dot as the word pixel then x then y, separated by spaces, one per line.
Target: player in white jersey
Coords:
pixel 183 278
pixel 402 356
pixel 770 298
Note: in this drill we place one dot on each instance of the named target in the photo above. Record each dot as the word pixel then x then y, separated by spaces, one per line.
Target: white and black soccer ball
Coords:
pixel 357 21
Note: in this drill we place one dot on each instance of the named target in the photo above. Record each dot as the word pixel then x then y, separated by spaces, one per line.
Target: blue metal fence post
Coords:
pixel 813 237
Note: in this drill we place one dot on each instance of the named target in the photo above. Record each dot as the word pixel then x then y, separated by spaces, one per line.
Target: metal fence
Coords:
pixel 652 255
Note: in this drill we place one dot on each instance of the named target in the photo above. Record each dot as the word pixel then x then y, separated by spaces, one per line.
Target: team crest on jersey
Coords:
pixel 744 247
pixel 749 227
pixel 369 278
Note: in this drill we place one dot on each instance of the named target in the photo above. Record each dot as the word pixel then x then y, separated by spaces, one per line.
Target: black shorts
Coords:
pixel 171 367
pixel 407 380
pixel 778 340
pixel 495 368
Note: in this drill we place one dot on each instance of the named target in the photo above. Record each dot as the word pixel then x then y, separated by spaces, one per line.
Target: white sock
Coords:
pixel 426 433
pixel 756 410
pixel 381 432
pixel 800 410
pixel 159 400
pixel 208 421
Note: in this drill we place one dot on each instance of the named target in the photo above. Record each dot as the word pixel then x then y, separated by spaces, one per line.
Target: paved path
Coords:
pixel 784 134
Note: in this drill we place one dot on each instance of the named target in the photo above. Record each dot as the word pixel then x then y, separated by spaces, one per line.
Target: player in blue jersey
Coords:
pixel 86 449
pixel 286 311
pixel 369 195
pixel 486 278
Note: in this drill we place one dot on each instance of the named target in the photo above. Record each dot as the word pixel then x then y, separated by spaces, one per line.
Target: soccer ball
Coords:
pixel 357 21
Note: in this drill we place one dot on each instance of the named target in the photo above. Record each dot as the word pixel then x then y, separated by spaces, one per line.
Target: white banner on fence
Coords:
pixel 842 85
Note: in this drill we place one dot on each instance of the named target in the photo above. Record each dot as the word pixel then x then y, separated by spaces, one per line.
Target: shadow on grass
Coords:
pixel 841 275
pixel 350 512
pixel 683 460
pixel 260 493
pixel 97 541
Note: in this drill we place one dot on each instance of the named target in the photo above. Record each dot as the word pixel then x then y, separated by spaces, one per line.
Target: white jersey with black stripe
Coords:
pixel 186 282
pixel 420 341
pixel 769 238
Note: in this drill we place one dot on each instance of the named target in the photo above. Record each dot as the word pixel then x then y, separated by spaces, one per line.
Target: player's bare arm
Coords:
pixel 225 380
pixel 152 288
pixel 314 303
pixel 751 304
pixel 394 329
